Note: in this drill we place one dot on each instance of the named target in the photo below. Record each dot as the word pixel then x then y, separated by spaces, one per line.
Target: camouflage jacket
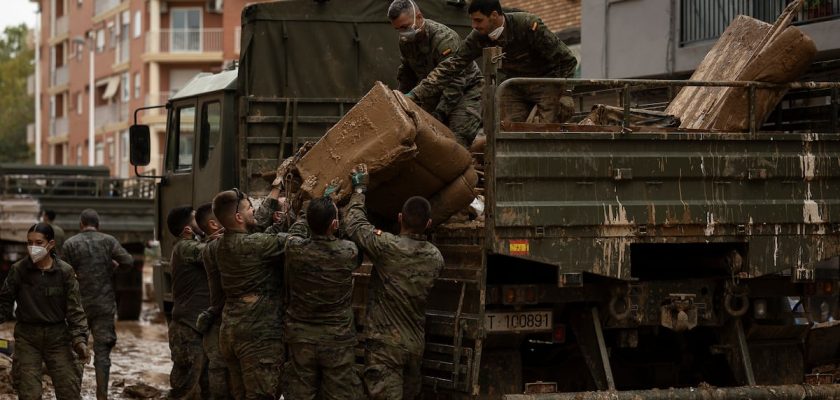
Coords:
pixel 319 282
pixel 404 271
pixel 530 50
pixel 249 263
pixel 59 236
pixel 44 297
pixel 214 279
pixel 437 42
pixel 92 254
pixel 190 291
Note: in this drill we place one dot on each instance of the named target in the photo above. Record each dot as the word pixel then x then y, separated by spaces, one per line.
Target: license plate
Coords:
pixel 523 321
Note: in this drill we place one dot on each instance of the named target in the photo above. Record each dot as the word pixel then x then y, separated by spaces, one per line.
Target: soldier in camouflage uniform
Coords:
pixel 423 45
pixel 209 321
pixel 405 267
pixel 93 255
pixel 51 324
pixel 48 216
pixel 190 296
pixel 251 269
pixel 530 50
pixel 319 321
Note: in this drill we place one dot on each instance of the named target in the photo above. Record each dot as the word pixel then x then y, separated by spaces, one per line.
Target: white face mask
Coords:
pixel 410 34
pixel 37 253
pixel 496 32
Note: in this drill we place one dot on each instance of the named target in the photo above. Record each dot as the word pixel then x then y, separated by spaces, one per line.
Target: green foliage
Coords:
pixel 16 106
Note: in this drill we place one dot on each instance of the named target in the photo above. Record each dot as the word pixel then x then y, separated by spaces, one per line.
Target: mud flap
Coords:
pixel 586 324
pixel 501 372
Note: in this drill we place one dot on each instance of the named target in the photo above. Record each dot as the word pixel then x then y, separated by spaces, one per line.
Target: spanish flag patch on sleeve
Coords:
pixel 446 52
pixel 534 26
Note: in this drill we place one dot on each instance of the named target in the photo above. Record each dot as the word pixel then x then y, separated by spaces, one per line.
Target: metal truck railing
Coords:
pixel 77 186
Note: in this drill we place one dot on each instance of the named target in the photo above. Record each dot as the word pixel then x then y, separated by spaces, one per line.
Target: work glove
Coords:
pixel 81 350
pixel 332 188
pixel 359 178
pixel 205 320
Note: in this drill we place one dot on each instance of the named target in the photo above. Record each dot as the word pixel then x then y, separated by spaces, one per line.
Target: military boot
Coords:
pixel 102 375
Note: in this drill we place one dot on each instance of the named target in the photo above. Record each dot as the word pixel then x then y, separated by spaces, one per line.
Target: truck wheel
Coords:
pixel 129 305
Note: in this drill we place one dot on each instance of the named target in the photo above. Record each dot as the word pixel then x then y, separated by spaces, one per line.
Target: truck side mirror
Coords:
pixel 140 145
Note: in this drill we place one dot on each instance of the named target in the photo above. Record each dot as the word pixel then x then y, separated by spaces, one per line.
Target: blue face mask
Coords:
pixel 410 34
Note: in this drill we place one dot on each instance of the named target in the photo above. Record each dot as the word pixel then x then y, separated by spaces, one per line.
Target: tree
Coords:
pixel 16 106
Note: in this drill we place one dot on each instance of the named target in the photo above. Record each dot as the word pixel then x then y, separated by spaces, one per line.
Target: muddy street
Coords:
pixel 140 361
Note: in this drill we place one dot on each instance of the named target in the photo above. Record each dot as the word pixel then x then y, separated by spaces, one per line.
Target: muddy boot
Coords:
pixel 102 375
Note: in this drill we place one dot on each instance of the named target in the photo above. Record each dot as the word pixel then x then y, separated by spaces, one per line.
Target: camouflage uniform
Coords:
pixel 319 321
pixel 217 372
pixel 404 271
pixel 530 50
pixel 191 295
pixel 250 337
pixel 50 322
pixel 91 253
pixel 58 236
pixel 459 103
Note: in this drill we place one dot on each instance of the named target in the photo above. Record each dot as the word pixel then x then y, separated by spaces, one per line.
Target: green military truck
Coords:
pixel 609 257
pixel 124 205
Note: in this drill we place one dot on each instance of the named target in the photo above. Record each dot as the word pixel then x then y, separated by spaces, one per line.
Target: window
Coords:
pixel 78 154
pixel 181 143
pixel 136 85
pixel 100 41
pixel 125 87
pixel 138 24
pixel 112 150
pixel 186 29
pixel 100 153
pixel 123 167
pixel 211 130
pixel 79 103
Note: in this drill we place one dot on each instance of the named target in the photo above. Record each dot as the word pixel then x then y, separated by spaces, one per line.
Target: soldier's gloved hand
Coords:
pixel 332 188
pixel 359 178
pixel 81 350
pixel 204 321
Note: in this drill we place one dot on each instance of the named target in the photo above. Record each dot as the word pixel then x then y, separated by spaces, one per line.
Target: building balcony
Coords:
pixel 703 20
pixel 110 114
pixel 60 28
pixel 59 76
pixel 103 6
pixel 59 127
pixel 184 45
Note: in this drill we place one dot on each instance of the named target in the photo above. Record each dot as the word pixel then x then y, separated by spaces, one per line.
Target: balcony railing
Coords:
pixel 110 114
pixel 60 76
pixel 58 127
pixel 184 41
pixel 104 5
pixel 702 20
pixel 60 26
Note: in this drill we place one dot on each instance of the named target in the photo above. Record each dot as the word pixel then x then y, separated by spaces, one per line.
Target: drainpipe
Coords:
pixel 38 143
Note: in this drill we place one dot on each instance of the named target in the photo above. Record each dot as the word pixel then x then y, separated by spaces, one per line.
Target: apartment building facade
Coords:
pixel 658 38
pixel 141 52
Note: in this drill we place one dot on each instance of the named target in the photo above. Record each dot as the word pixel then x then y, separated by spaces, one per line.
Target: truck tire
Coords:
pixel 129 305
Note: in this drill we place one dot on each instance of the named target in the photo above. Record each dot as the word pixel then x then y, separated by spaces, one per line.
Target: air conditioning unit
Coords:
pixel 215 6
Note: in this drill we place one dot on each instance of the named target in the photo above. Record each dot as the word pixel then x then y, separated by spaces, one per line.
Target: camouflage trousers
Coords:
pixel 325 372
pixel 188 378
pixel 217 371
pixel 104 338
pixel 552 103
pixel 251 342
pixel 36 345
pixel 391 373
pixel 465 119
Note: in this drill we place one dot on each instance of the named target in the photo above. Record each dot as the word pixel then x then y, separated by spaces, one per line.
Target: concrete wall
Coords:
pixel 640 38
